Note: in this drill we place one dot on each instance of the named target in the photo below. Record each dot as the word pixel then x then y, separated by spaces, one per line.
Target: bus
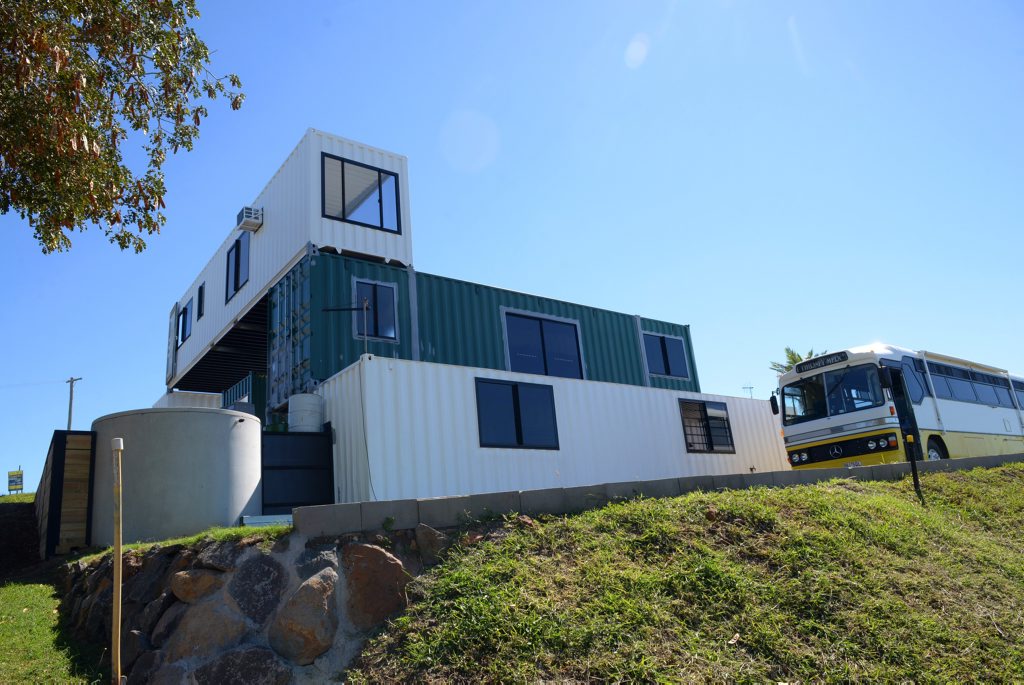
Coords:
pixel 879 403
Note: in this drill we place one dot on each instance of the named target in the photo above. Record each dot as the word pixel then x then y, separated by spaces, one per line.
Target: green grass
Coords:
pixel 33 647
pixel 261 535
pixel 20 498
pixel 843 581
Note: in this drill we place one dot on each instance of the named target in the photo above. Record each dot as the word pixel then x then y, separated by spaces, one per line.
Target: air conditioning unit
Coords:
pixel 250 218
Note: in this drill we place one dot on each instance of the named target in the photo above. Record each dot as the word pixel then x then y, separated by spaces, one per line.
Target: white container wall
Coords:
pixel 178 399
pixel 422 436
pixel 292 218
pixel 184 470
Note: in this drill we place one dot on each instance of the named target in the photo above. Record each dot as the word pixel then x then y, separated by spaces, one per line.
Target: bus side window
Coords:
pixel 913 383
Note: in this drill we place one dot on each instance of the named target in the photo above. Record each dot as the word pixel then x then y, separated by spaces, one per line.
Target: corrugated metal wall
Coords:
pixel 357 238
pixel 678 331
pixel 423 438
pixel 461 323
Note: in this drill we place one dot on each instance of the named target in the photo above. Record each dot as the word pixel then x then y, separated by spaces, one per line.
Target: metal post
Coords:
pixel 366 331
pixel 71 397
pixel 117 447
pixel 911 444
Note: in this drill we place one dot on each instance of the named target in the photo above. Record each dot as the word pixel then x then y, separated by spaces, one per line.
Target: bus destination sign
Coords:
pixel 15 481
pixel 822 361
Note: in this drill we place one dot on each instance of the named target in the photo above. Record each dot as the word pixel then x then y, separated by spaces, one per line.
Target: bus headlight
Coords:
pixel 871 444
pixel 803 456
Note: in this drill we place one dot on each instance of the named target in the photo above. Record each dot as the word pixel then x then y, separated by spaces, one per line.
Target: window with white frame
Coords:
pixel 237 267
pixel 184 323
pixel 518 415
pixel 375 315
pixel 666 355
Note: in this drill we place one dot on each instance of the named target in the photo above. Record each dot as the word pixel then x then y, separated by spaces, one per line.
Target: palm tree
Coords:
pixel 792 359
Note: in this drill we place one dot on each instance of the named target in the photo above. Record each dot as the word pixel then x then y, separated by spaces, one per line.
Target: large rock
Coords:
pixel 430 543
pixel 248 666
pixel 256 587
pixel 168 623
pixel 194 584
pixel 313 560
pixel 147 584
pixel 376 584
pixel 133 644
pixel 304 627
pixel 221 556
pixel 97 622
pixel 146 619
pixel 145 666
pixel 205 629
pixel 168 674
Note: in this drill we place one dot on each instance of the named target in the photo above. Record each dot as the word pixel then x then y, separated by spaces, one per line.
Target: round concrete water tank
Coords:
pixel 305 413
pixel 183 471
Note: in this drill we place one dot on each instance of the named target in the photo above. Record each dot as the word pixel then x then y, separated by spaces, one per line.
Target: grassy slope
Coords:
pixel 840 581
pixel 18 498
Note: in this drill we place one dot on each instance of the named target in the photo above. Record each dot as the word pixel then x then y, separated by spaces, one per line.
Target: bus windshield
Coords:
pixel 832 393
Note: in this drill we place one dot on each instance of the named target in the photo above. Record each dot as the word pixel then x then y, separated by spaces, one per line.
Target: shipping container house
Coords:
pixel 319 289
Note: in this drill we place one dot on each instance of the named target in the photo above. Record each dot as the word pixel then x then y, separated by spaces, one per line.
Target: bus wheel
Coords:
pixel 936 450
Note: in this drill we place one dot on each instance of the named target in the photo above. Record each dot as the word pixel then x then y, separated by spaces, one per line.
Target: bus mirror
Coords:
pixel 885 376
pixel 775 404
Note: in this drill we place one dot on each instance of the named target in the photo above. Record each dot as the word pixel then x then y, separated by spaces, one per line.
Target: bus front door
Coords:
pixel 905 413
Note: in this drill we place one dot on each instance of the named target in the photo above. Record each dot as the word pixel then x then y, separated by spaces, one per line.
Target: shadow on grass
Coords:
pixel 82 660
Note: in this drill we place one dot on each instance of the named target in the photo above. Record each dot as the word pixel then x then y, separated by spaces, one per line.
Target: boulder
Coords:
pixel 133 644
pixel 247 666
pixel 147 584
pixel 312 561
pixel 97 622
pixel 256 587
pixel 194 584
pixel 168 674
pixel 145 666
pixel 430 543
pixel 204 630
pixel 167 624
pixel 220 556
pixel 304 627
pixel 376 584
pixel 145 621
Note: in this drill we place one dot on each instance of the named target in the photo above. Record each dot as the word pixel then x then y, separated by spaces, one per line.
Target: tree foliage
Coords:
pixel 81 82
pixel 792 359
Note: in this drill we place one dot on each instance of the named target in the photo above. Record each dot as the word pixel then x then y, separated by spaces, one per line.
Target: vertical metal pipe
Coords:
pixel 117 447
pixel 71 397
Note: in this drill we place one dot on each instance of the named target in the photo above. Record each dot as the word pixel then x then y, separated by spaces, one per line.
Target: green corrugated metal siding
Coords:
pixel 335 344
pixel 679 331
pixel 461 323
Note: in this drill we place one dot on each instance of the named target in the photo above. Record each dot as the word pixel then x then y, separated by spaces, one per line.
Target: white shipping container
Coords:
pixel 409 429
pixel 292 219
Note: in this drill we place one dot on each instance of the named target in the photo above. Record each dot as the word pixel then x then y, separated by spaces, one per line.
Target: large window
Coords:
pixel 378 321
pixel 706 427
pixel 666 356
pixel 184 323
pixel 520 415
pixel 832 393
pixel 954 383
pixel 360 194
pixel 543 346
pixel 237 266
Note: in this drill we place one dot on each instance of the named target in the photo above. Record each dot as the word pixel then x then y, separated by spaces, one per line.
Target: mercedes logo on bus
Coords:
pixel 835 451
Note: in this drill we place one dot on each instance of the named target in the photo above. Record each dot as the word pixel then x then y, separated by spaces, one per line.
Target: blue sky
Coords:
pixel 814 174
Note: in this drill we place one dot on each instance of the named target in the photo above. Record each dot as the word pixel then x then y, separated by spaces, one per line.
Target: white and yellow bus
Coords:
pixel 866 405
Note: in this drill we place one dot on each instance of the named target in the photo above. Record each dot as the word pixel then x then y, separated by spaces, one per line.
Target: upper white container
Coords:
pixel 300 206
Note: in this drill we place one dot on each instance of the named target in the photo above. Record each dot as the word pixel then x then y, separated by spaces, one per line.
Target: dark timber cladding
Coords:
pixel 458 323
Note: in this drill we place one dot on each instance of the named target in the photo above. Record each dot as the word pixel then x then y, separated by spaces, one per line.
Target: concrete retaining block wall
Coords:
pixel 447 512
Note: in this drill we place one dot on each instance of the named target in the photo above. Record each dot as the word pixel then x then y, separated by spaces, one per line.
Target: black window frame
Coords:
pixel 373 314
pixel 703 421
pixel 324 156
pixel 517 415
pixel 201 301
pixel 665 359
pixel 184 327
pixel 541 319
pixel 233 266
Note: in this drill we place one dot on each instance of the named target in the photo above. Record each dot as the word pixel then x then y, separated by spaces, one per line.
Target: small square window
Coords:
pixel 666 356
pixel 518 415
pixel 706 427
pixel 378 320
pixel 543 346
